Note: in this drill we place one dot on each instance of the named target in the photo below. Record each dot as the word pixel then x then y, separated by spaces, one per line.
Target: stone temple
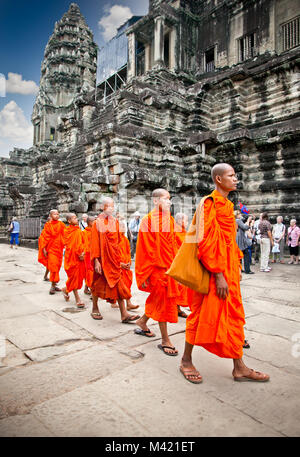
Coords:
pixel 192 83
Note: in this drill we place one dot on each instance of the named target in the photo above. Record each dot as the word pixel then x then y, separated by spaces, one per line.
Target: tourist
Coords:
pixel 108 282
pixel 278 234
pixel 14 229
pixel 155 251
pixel 181 223
pixel 126 262
pixel 257 238
pixel 52 245
pixel 292 240
pixel 266 240
pixel 133 227
pixel 89 270
pixel 83 223
pixel 217 319
pixel 74 259
pixel 242 239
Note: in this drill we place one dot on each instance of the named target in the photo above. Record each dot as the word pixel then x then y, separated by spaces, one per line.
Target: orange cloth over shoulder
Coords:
pixel 74 267
pixel 180 236
pixel 216 324
pixel 105 246
pixel 89 270
pixel 155 251
pixel 51 239
pixel 126 258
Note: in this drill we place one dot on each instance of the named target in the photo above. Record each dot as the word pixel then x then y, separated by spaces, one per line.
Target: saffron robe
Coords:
pixel 126 258
pixel 89 270
pixel 74 267
pixel 51 239
pixel 216 324
pixel 105 246
pixel 180 236
pixel 155 251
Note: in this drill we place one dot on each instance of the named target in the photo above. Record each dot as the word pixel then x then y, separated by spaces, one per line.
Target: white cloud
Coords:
pixel 15 130
pixel 116 16
pixel 16 85
pixel 2 85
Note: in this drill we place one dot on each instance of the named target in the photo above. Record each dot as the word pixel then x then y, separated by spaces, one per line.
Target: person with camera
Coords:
pixel 292 241
pixel 242 239
pixel 14 230
pixel 266 240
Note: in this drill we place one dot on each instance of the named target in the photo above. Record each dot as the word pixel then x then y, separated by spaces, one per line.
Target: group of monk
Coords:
pixel 100 256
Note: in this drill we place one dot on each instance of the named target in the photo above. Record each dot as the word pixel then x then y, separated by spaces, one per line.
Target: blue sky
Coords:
pixel 25 27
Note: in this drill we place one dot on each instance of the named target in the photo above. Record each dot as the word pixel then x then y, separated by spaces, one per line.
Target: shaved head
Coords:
pixel 53 211
pixel 105 201
pixel 90 219
pixel 159 193
pixel 219 169
pixel 69 216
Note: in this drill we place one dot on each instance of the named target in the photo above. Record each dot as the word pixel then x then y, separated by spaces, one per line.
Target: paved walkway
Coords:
pixel 65 374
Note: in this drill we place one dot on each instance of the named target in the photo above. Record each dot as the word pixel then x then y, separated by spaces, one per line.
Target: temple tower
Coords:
pixel 69 67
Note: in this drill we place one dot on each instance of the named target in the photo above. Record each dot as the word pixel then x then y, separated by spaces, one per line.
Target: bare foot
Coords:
pixel 130 306
pixel 65 294
pixel 247 374
pixel 115 305
pixel 190 373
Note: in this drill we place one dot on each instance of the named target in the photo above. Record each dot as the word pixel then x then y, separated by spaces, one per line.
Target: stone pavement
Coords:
pixel 65 374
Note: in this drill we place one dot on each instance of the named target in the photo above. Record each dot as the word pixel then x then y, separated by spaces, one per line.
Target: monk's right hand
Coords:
pixel 222 286
pixel 45 252
pixel 98 268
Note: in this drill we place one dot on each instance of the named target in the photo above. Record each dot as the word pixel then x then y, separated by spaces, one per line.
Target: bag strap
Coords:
pixel 195 232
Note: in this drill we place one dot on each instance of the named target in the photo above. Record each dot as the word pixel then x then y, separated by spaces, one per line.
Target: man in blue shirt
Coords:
pixel 14 229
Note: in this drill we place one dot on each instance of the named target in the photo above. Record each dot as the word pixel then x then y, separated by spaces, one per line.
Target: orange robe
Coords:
pixel 126 258
pixel 180 236
pixel 74 267
pixel 216 324
pixel 155 251
pixel 105 246
pixel 89 270
pixel 51 239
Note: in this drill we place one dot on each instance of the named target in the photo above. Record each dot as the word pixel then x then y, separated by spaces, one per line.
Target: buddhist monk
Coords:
pixel 217 319
pixel 155 251
pixel 41 258
pixel 51 247
pixel 89 270
pixel 126 262
pixel 108 282
pixel 74 259
pixel 181 222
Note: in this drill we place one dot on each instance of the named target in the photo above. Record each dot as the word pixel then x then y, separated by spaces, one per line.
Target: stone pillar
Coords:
pixel 159 41
pixel 147 57
pixel 131 68
pixel 172 63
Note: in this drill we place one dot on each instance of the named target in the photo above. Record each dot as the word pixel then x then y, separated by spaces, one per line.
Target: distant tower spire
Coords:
pixel 69 67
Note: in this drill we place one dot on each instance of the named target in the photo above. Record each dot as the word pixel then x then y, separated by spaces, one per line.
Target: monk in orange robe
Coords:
pixel 89 270
pixel 217 319
pixel 74 259
pixel 181 222
pixel 155 251
pixel 126 262
pixel 51 248
pixel 108 282
pixel 41 258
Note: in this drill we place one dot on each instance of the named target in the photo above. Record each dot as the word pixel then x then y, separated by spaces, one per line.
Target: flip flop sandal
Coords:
pixel 52 291
pixel 99 318
pixel 57 289
pixel 148 333
pixel 80 305
pixel 246 345
pixel 66 296
pixel 162 348
pixel 188 372
pixel 182 314
pixel 130 319
pixel 251 378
